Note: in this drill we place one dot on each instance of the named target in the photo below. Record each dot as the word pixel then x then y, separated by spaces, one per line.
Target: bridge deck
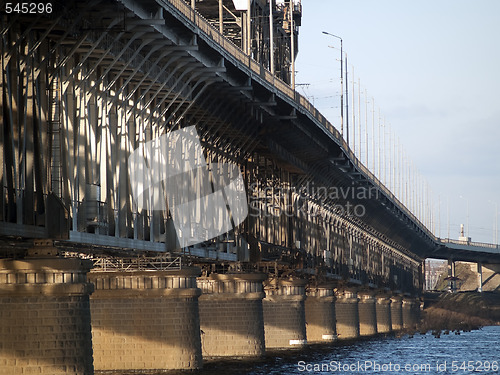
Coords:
pixel 466 251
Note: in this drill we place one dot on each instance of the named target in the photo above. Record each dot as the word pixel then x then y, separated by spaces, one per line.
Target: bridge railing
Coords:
pixel 159 263
pixel 212 32
pixel 204 25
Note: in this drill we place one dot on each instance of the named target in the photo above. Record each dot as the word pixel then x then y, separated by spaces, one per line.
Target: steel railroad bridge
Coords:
pixel 87 84
pixel 84 86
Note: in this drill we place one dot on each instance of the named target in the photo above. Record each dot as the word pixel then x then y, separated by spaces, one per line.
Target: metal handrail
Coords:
pixel 136 264
pixel 470 243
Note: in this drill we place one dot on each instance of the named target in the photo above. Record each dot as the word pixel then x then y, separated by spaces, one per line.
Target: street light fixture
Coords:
pixel 467 234
pixel 341 84
pixel 495 225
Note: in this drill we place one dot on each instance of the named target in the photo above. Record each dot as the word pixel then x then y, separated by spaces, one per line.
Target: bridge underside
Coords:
pixel 88 84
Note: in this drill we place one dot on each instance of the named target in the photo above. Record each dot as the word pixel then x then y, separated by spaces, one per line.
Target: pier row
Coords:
pixel 59 317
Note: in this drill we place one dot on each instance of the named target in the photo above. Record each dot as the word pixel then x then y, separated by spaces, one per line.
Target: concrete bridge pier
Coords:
pixel 491 276
pixel 409 313
pixel 320 315
pixel 146 320
pixel 45 316
pixel 397 313
pixel 367 314
pixel 347 314
pixel 231 316
pixel 284 314
pixel 479 277
pixel 452 284
pixel 383 312
pixel 417 310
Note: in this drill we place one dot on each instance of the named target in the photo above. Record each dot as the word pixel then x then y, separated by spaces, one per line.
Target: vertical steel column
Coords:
pixel 480 277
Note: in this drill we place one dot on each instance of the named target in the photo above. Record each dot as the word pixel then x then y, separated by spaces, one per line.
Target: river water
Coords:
pixel 476 352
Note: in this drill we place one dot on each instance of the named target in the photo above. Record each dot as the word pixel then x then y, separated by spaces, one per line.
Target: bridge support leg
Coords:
pixel 231 317
pixel 346 310
pixel 479 277
pixel 320 315
pixel 383 311
pixel 284 314
pixel 146 320
pixel 452 284
pixel 45 316
pixel 396 313
pixel 490 277
pixel 367 315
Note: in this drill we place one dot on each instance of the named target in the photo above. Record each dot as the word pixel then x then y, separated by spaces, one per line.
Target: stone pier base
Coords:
pixel 409 313
pixel 396 313
pixel 231 317
pixel 346 311
pixel 146 320
pixel 45 317
pixel 419 306
pixel 284 314
pixel 320 315
pixel 367 315
pixel 383 308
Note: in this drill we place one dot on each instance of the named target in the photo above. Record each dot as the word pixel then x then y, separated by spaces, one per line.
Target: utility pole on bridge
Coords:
pixel 341 82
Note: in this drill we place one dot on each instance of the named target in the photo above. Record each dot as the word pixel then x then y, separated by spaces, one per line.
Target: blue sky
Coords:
pixel 433 69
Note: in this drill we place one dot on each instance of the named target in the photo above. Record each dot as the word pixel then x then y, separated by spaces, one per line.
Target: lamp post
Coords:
pixel 467 234
pixel 271 37
pixel 495 224
pixel 341 84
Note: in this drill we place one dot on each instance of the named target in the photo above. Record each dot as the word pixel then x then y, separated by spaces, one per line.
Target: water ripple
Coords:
pixel 420 354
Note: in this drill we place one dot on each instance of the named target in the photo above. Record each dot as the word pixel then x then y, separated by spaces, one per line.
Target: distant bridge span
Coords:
pixel 466 251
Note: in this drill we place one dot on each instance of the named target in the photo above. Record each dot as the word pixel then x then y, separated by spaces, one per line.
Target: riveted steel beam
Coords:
pixel 91 50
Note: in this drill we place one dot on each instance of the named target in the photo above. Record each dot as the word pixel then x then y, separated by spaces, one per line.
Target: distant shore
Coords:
pixel 463 311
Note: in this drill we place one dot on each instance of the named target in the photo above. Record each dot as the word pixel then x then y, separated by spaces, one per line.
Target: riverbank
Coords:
pixel 463 311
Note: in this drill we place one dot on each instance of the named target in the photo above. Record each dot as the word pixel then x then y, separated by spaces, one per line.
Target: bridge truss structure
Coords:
pixel 89 83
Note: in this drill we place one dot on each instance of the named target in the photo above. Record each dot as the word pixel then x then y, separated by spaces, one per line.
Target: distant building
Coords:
pixel 462 234
pixel 433 270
